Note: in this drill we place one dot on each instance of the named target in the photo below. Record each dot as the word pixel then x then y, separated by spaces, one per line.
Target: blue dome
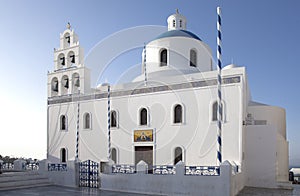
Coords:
pixel 178 33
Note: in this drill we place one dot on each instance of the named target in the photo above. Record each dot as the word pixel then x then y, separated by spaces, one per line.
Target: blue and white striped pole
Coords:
pixel 77 129
pixel 108 121
pixel 145 68
pixel 219 112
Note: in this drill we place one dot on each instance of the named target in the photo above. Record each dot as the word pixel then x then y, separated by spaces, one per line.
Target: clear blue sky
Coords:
pixel 261 35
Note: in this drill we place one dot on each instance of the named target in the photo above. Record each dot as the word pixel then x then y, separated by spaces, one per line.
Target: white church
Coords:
pixel 165 116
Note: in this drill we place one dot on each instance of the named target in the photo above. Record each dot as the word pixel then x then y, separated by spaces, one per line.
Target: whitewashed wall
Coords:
pixel 196 135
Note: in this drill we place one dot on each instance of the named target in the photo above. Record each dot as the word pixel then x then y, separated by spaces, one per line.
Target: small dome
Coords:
pixel 178 33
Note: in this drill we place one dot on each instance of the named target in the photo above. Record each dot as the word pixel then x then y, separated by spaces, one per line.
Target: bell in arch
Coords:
pixel 77 82
pixel 62 60
pixel 66 83
pixel 68 38
pixel 55 86
pixel 72 58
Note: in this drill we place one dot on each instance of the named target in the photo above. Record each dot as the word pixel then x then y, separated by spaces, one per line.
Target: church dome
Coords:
pixel 176 51
pixel 178 33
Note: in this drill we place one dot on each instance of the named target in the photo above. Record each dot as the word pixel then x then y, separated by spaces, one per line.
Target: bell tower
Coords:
pixel 70 76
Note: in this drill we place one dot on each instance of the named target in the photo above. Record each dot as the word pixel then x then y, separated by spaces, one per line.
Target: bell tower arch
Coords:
pixel 70 76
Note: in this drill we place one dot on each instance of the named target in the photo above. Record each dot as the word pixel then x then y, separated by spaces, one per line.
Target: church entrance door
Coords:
pixel 144 153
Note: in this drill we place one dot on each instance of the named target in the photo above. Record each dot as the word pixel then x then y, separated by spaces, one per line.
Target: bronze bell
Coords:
pixel 55 86
pixel 77 82
pixel 66 83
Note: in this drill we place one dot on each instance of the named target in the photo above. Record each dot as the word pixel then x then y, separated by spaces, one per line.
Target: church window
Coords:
pixel 177 155
pixel 113 118
pixel 174 23
pixel 63 155
pixel 114 155
pixel 87 121
pixel 215 111
pixel 193 58
pixel 178 114
pixel 63 122
pixel 180 23
pixel 163 57
pixel 143 116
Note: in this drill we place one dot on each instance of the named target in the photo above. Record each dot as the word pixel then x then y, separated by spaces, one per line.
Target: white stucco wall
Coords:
pixel 178 184
pixel 196 135
pixel 178 54
pixel 276 125
pixel 260 156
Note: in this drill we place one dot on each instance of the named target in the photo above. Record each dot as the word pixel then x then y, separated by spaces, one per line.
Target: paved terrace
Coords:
pixel 58 190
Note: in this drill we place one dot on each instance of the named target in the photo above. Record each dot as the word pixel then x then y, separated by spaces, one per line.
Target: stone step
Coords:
pixel 24 186
pixel 19 176
pixel 13 180
pixel 18 173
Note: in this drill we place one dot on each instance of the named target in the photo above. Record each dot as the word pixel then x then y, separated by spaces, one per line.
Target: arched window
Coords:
pixel 113 118
pixel 63 122
pixel 63 155
pixel 163 57
pixel 114 155
pixel 178 114
pixel 180 23
pixel 193 58
pixel 87 121
pixel 215 111
pixel 177 155
pixel 143 116
pixel 174 23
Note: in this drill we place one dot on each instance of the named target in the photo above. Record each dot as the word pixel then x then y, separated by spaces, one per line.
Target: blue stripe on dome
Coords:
pixel 178 33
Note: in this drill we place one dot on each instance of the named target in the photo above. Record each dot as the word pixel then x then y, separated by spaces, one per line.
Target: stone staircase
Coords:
pixel 25 179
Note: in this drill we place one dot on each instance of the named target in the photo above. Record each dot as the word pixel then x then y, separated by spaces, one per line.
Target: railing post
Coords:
pixel 142 167
pixel 1 162
pixel 180 168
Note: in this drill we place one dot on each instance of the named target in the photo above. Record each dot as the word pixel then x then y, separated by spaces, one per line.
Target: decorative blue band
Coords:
pixel 219 124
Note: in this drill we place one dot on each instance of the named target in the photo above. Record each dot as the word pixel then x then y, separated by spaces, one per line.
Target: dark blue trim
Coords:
pixel 178 33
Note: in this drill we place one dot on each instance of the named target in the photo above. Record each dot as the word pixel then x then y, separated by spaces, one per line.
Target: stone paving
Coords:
pixel 62 191
pixel 250 191
pixel 66 191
